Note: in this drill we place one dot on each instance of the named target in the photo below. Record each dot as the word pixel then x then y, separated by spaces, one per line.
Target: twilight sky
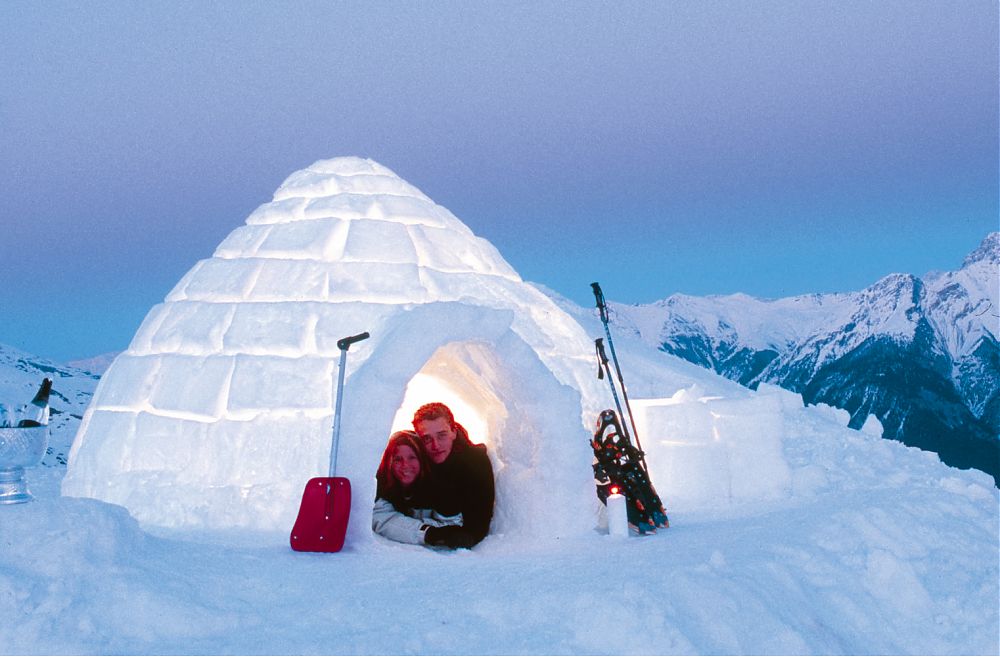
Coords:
pixel 773 148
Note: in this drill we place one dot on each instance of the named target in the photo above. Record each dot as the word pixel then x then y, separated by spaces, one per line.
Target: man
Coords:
pixel 462 478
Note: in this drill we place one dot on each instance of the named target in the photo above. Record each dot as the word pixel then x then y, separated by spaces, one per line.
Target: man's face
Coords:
pixel 437 437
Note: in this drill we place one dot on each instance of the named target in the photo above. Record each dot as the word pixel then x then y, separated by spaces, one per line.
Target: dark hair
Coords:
pixel 387 486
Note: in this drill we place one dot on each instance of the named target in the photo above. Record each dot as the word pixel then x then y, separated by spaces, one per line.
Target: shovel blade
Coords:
pixel 323 514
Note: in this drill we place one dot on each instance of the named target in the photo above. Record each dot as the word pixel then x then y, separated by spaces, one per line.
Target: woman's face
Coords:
pixel 405 465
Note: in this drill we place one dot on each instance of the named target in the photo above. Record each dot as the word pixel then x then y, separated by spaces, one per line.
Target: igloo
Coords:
pixel 221 408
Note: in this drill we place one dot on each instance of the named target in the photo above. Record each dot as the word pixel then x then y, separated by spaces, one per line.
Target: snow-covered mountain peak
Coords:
pixel 988 252
pixel 766 323
pixel 963 305
pixel 894 284
pixel 890 306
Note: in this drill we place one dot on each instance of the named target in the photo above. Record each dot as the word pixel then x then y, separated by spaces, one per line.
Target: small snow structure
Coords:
pixel 221 408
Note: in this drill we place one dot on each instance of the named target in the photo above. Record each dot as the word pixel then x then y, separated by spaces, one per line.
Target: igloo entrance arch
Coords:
pixel 501 391
pixel 456 375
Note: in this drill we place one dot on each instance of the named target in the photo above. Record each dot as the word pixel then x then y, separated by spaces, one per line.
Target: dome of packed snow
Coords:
pixel 221 408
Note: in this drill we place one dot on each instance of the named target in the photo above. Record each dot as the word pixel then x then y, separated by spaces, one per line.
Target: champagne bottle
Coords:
pixel 41 402
pixel 36 414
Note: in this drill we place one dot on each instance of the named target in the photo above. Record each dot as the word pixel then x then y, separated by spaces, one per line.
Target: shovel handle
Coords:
pixel 345 343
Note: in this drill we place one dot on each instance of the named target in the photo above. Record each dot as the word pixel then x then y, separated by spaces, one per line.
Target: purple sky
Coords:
pixel 773 148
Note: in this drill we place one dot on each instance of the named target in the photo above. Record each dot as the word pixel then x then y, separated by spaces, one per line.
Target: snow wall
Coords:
pixel 222 406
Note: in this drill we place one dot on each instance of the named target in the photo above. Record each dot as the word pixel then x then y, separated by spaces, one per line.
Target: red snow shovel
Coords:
pixel 326 501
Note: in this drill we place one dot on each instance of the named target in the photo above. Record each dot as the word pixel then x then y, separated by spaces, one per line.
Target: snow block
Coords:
pixel 99 449
pixel 872 427
pixel 243 242
pixel 379 241
pixel 297 443
pixel 375 282
pixel 705 452
pixel 457 286
pixel 312 183
pixel 304 240
pixel 279 329
pixel 682 453
pixel 753 431
pixel 191 327
pixel 142 339
pixel 167 443
pixel 834 414
pixel 448 250
pixel 272 383
pixel 221 280
pixel 283 280
pixel 405 210
pixel 278 211
pixel 192 385
pixel 129 382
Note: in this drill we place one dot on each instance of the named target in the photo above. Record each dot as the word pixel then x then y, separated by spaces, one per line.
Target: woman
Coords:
pixel 402 509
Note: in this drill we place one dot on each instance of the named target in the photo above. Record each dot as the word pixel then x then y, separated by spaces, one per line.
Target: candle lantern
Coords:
pixel 617 513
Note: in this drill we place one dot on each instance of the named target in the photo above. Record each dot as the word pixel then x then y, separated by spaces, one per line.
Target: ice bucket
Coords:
pixel 20 448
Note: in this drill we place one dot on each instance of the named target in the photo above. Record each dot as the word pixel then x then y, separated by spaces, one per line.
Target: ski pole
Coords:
pixel 343 344
pixel 602 307
pixel 602 359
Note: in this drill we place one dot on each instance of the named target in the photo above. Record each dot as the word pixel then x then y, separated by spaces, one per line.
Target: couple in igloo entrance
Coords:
pixel 434 486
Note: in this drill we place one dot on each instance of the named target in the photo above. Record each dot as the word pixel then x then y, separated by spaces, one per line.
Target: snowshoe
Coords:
pixel 618 465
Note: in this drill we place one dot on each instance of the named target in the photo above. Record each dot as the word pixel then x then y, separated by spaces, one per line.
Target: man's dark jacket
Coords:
pixel 462 484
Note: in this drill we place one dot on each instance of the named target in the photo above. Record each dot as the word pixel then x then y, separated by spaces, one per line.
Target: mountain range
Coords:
pixel 919 353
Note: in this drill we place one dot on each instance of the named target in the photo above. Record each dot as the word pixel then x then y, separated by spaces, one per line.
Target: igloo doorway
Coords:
pixel 506 398
pixel 461 376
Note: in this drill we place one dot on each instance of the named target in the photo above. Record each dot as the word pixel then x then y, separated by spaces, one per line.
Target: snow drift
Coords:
pixel 868 547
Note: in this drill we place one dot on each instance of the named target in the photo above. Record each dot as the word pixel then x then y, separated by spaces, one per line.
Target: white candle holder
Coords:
pixel 617 516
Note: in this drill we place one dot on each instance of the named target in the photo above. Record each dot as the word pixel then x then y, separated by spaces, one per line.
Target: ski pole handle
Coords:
pixel 602 358
pixel 601 306
pixel 345 343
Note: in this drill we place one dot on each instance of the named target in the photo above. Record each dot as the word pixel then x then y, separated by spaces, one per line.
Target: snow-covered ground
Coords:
pixel 873 547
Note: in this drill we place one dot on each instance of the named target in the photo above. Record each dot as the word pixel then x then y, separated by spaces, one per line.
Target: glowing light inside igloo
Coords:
pixel 447 378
